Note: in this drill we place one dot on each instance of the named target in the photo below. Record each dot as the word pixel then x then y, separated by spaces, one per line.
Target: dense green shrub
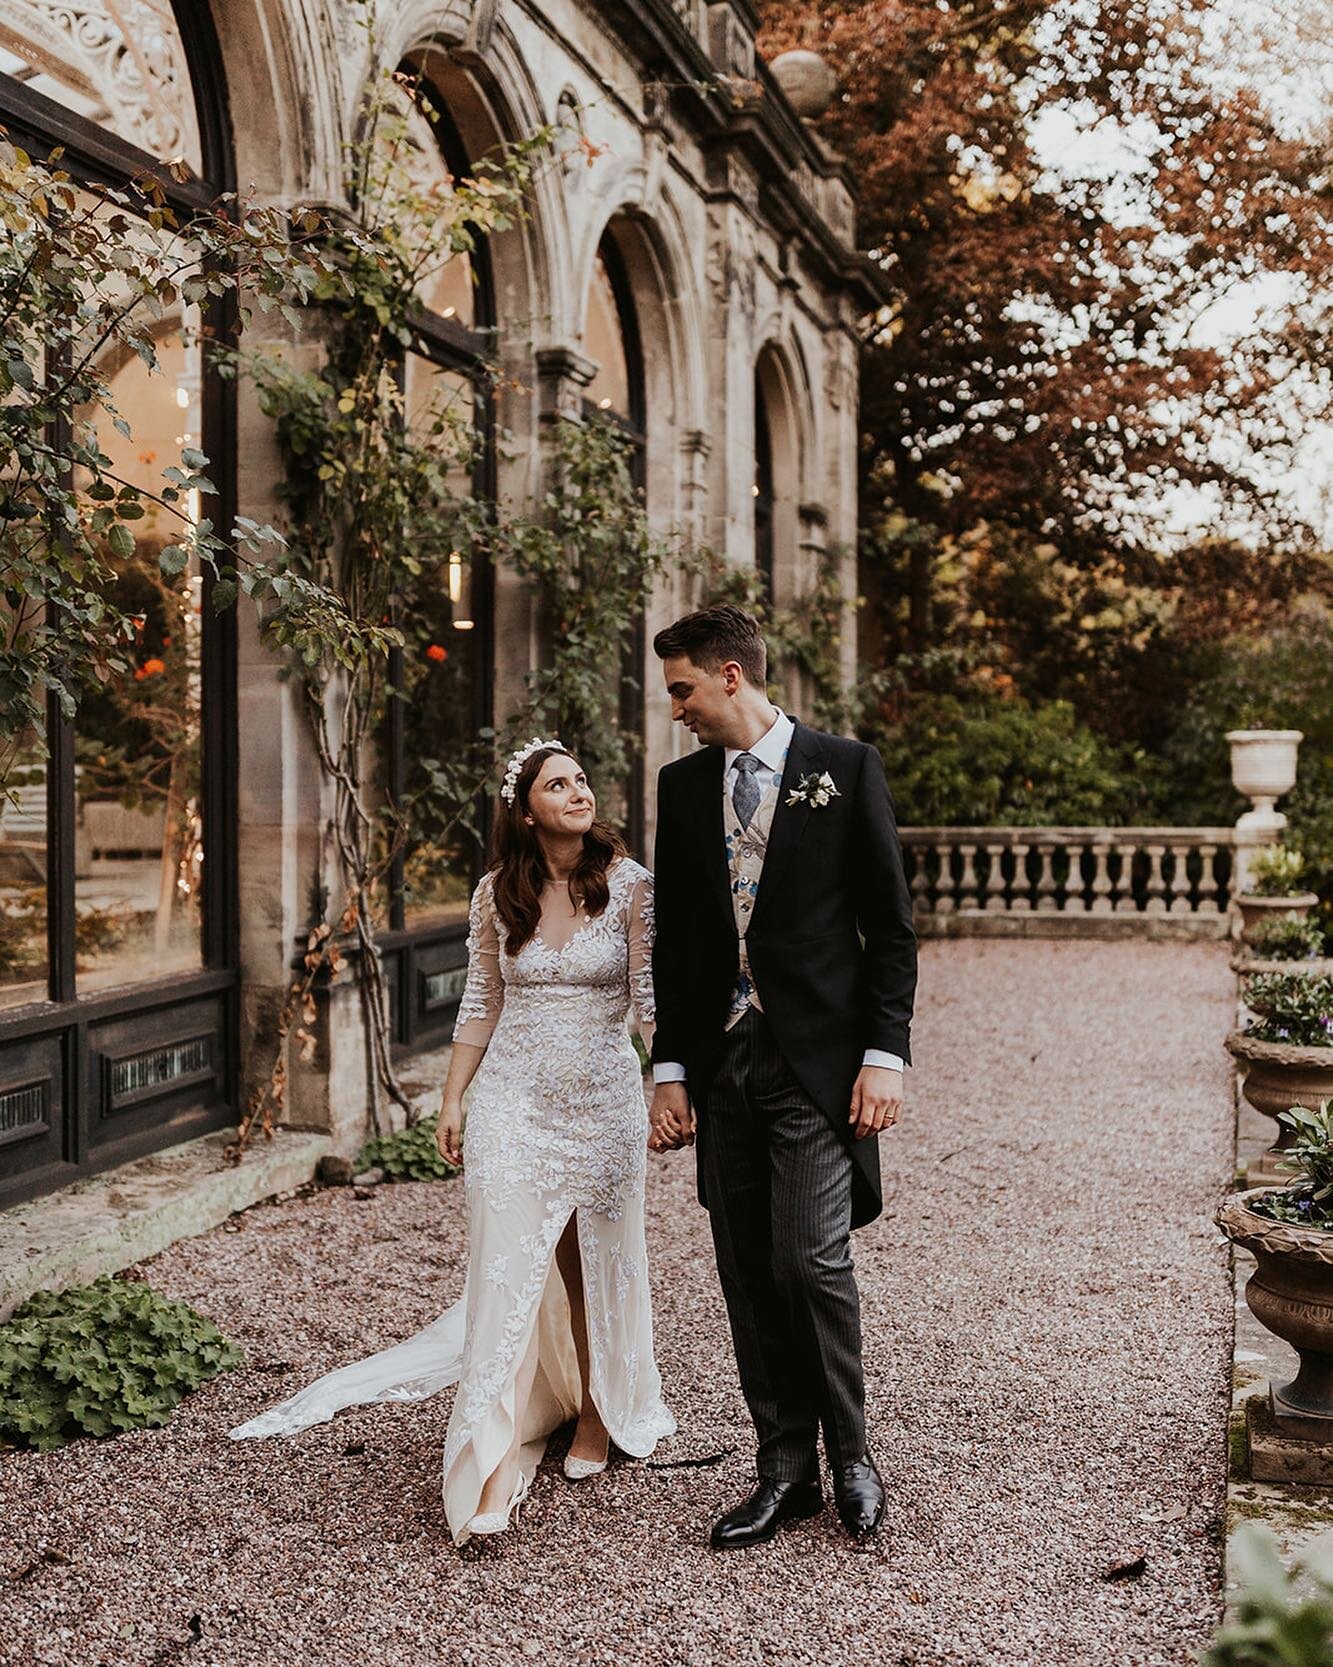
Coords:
pixel 1289 938
pixel 1291 1007
pixel 1282 680
pixel 984 759
pixel 409 1155
pixel 98 1359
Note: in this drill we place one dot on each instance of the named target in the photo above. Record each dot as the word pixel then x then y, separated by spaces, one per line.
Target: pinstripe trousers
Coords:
pixel 778 1183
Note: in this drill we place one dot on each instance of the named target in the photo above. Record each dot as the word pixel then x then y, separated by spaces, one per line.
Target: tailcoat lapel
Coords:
pixel 805 756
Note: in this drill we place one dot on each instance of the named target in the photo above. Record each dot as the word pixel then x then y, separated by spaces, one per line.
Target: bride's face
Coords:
pixel 560 800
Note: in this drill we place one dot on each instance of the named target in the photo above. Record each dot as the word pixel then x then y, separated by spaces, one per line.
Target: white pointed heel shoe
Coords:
pixel 495 1522
pixel 579 1470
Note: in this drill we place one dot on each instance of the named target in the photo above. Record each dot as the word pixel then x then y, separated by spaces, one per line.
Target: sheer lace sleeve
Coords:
pixel 484 993
pixel 641 957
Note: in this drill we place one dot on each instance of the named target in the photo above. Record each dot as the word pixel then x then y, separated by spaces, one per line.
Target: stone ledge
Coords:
pixel 1057 923
pixel 112 1220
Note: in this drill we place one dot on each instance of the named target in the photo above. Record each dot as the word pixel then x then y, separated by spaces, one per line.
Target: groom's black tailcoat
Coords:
pixel 831 945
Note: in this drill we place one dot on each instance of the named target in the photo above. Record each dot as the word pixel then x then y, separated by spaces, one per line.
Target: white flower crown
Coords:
pixel 509 791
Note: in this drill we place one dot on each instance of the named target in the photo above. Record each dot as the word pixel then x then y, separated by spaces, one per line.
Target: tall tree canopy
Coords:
pixel 1108 247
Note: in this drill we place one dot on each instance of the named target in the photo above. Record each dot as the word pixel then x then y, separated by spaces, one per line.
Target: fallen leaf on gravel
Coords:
pixel 1130 1567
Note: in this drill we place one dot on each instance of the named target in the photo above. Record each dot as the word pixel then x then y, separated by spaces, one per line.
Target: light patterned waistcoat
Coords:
pixel 745 862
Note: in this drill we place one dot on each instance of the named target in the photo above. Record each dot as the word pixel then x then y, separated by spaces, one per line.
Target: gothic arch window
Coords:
pixel 779 471
pixel 118 1025
pixel 446 670
pixel 616 395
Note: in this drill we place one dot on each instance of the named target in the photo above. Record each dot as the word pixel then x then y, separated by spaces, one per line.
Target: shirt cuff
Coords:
pixel 885 1061
pixel 668 1071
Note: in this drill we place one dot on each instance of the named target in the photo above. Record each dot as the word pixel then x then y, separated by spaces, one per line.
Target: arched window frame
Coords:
pixel 422 961
pixel 77 1039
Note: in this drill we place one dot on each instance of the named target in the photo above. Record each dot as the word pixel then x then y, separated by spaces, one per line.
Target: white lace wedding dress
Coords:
pixel 555 1124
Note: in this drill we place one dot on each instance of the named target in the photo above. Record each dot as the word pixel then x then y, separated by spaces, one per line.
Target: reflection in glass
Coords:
pixel 139 840
pixel 23 860
pixel 440 657
pixel 604 342
pixel 119 63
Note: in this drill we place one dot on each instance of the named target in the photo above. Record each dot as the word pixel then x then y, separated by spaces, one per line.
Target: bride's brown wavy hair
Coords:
pixel 520 868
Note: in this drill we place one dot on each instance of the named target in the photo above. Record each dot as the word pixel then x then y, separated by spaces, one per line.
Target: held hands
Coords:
pixel 449 1132
pixel 670 1118
pixel 877 1100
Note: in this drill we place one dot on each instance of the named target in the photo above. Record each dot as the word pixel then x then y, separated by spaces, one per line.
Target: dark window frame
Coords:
pixel 90 1135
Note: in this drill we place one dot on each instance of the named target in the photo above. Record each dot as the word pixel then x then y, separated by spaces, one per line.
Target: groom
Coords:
pixel 784 968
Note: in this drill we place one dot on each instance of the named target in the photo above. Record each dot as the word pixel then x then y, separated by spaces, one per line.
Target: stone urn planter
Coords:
pixel 1255 910
pixel 1279 1075
pixel 1263 764
pixel 1291 1293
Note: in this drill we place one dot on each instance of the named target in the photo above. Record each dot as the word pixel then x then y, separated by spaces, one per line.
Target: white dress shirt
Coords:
pixel 771 751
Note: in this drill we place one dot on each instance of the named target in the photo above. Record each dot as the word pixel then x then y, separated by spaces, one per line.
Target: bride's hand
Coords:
pixel 449 1133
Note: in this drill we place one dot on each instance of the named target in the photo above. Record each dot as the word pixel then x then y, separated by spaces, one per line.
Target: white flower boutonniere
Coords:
pixel 815 791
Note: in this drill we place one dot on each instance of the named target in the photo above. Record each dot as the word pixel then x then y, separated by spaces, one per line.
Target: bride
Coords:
pixel 554 1322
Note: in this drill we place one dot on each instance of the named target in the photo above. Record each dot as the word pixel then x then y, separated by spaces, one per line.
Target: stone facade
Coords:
pixel 735 227
pixel 691 193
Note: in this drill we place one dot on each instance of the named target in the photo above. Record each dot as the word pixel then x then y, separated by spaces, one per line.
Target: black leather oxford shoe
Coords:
pixel 859 1494
pixel 759 1517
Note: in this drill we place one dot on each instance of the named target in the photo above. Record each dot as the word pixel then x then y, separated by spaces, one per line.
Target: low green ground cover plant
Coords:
pixel 1291 1007
pixel 100 1359
pixel 409 1155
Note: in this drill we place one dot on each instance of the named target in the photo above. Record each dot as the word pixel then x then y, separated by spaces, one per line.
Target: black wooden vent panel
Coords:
pixel 25 1111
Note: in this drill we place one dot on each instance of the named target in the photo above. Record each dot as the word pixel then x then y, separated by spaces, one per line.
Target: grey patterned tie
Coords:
pixel 745 794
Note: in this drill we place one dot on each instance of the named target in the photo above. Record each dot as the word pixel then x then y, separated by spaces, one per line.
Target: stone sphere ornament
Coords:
pixel 806 80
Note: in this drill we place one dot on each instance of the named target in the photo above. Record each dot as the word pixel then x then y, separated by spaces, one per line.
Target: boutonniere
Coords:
pixel 815 791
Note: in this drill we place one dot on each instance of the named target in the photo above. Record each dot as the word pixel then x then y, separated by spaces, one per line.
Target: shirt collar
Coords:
pixel 771 747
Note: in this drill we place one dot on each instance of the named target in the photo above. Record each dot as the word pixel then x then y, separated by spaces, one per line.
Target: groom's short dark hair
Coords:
pixel 715 635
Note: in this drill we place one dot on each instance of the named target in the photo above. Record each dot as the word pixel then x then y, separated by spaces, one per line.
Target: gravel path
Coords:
pixel 1047 1317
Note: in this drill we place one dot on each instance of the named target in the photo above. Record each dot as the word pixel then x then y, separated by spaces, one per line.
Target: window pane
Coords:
pixel 119 63
pixel 440 658
pixel 23 850
pixel 139 846
pixel 444 279
pixel 604 342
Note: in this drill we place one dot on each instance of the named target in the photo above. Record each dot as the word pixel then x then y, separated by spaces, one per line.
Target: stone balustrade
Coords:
pixel 1077 882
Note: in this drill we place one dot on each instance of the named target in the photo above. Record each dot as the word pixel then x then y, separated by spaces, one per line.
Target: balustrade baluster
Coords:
pixel 1212 878
pixel 1022 900
pixel 1182 887
pixel 1124 903
pixel 920 882
pixel 944 888
pixel 995 881
pixel 968 890
pixel 1101 878
pixel 1156 903
pixel 1075 886
pixel 1046 880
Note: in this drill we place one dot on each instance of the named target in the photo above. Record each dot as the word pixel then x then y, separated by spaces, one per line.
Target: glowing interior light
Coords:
pixel 754 491
pixel 463 624
pixel 455 577
pixel 603 404
pixel 182 397
pixel 448 312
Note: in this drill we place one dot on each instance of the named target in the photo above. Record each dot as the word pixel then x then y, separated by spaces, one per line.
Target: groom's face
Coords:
pixel 704 701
